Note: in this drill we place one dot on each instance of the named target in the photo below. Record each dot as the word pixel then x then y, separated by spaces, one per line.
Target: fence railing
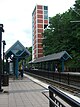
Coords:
pixel 67 78
pixel 59 99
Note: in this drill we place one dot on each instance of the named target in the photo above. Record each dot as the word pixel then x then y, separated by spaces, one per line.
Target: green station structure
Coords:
pixel 13 56
pixel 50 61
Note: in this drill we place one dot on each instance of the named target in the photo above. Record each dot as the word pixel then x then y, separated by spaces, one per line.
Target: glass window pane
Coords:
pixel 45 12
pixel 45 16
pixel 45 7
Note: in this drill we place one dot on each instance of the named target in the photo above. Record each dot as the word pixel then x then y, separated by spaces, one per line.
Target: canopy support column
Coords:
pixel 62 65
pixel 16 67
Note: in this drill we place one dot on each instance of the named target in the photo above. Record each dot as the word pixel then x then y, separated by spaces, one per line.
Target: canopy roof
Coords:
pixel 56 56
pixel 17 50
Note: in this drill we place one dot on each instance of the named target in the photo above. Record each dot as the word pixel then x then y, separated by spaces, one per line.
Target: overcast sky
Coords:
pixel 16 16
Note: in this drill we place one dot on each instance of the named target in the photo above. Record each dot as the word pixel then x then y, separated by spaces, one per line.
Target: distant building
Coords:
pixel 39 23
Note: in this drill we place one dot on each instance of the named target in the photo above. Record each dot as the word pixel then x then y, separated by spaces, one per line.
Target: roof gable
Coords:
pixel 17 49
pixel 56 56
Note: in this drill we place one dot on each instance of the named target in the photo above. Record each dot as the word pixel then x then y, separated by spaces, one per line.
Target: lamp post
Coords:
pixel 1 30
pixel 4 43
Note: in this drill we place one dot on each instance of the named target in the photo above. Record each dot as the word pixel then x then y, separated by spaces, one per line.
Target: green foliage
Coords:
pixel 62 34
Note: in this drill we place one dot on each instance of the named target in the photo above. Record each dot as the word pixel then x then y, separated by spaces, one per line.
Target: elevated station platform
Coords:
pixel 24 93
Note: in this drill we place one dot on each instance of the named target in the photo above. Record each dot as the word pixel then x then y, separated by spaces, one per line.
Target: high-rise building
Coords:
pixel 39 23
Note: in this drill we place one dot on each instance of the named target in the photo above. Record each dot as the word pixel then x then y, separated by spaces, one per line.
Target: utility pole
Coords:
pixel 1 30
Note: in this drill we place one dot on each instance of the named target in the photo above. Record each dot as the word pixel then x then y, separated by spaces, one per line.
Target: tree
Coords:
pixel 62 35
pixel 56 37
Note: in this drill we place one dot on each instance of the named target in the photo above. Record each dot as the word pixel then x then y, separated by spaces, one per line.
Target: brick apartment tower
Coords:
pixel 39 23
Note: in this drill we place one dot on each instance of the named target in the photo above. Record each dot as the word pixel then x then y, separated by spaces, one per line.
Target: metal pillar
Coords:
pixel 62 65
pixel 1 30
pixel 16 67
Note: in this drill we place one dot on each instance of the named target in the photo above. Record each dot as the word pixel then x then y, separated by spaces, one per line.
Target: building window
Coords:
pixel 45 16
pixel 45 7
pixel 45 12
pixel 39 6
pixel 39 11
pixel 39 21
pixel 40 16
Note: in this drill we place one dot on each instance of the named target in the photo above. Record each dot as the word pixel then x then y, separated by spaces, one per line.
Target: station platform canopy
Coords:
pixel 56 56
pixel 16 53
pixel 17 50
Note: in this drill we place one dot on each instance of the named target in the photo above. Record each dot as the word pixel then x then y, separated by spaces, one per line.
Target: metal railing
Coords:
pixel 67 78
pixel 59 99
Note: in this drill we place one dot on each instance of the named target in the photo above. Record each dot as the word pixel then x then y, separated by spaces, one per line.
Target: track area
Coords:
pixel 74 90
